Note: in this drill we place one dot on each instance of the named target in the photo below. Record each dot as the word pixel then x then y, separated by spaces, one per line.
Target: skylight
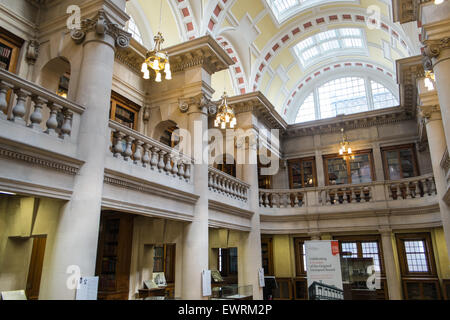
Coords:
pixel 284 9
pixel 346 95
pixel 326 43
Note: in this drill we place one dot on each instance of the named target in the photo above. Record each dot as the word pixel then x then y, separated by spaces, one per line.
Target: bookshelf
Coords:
pixel 10 46
pixel 114 255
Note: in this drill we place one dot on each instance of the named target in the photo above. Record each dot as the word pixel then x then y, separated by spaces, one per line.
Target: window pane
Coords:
pixel 406 159
pixel 349 250
pixel 416 257
pixel 382 97
pixel 360 169
pixel 370 250
pixel 296 175
pixel 337 171
pixel 393 165
pixel 307 111
pixel 342 96
pixel 308 174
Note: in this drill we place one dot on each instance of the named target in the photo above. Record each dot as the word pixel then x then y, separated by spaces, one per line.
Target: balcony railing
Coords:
pixel 133 147
pixel 411 188
pixel 227 185
pixel 37 108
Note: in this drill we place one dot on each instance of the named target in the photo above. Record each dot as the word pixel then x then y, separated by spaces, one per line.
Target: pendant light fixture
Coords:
pixel 225 115
pixel 157 60
pixel 345 145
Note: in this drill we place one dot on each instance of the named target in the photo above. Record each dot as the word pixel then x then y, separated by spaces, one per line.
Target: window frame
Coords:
pixel 327 157
pixel 429 254
pixel 300 270
pixel 126 104
pixel 359 239
pixel 301 161
pixel 269 242
pixel 398 148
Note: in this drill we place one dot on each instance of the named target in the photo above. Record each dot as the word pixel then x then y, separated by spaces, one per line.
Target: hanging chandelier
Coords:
pixel 345 145
pixel 157 60
pixel 429 79
pixel 225 115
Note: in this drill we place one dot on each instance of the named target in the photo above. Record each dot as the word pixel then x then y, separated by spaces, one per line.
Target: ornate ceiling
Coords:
pixel 261 41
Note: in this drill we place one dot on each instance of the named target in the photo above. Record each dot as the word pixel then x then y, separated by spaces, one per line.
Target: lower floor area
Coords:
pixel 140 257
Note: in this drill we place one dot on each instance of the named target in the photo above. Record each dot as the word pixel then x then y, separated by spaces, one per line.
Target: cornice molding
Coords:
pixel 229 209
pixel 132 183
pixel 227 225
pixel 39 161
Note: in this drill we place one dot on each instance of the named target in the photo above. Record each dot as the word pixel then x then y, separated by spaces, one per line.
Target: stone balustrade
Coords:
pixel 133 147
pixel 411 188
pixel 227 185
pixel 416 187
pixel 281 198
pixel 36 108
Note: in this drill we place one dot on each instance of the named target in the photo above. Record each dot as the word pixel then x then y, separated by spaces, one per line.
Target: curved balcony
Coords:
pixel 367 206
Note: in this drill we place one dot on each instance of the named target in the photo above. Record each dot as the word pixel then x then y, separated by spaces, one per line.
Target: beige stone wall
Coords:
pixel 21 218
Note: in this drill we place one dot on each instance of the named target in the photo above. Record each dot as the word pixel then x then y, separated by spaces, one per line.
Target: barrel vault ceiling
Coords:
pixel 261 38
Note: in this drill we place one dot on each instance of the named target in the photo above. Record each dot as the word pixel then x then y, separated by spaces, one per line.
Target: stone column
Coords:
pixel 196 239
pixel 378 161
pixel 78 228
pixel 431 113
pixel 392 275
pixel 319 169
pixel 437 58
pixel 252 240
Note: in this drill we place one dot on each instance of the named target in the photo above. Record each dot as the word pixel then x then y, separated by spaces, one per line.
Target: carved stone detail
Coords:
pixel 200 101
pixel 432 50
pixel 32 51
pixel 101 25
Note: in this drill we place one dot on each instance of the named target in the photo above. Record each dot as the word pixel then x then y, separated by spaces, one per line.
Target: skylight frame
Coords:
pixel 338 40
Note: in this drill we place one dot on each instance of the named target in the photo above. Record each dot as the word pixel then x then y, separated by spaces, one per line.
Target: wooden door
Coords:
pixel 35 269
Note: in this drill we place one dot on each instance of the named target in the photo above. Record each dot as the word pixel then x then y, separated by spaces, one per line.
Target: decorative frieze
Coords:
pixel 38 161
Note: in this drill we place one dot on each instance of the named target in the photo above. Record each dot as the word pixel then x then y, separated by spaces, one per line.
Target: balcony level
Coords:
pixel 395 204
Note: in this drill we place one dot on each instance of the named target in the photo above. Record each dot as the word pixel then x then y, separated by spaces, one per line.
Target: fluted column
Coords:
pixel 196 239
pixel 392 274
pixel 78 227
pixel 251 243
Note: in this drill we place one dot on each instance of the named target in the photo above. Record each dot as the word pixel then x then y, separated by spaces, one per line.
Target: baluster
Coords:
pixel 175 166
pixel 52 122
pixel 286 200
pixel 346 195
pixel 433 185
pixel 138 153
pixel 128 149
pixel 154 160
pixel 168 167
pixel 146 157
pixel 161 163
pixel 416 189
pixel 19 109
pixel 260 199
pixel 181 169
pixel 353 195
pixel 118 146
pixel 266 199
pixel 426 187
pixel 187 173
pixel 275 200
pixel 296 202
pixel 36 116
pixel 66 128
pixel 3 103
pixel 233 186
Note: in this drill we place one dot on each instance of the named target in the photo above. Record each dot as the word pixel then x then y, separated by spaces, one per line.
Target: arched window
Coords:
pixel 134 30
pixel 346 95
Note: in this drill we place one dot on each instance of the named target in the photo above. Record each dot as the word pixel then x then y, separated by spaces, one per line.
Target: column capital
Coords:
pixel 101 25
pixel 433 50
pixel 385 232
pixel 199 103
pixel 430 112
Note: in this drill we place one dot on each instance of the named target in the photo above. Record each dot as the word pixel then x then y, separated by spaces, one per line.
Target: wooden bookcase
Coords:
pixel 10 46
pixel 114 256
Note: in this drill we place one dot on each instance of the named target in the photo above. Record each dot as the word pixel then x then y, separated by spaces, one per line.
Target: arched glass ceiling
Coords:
pixel 326 43
pixel 284 9
pixel 346 95
pixel 134 30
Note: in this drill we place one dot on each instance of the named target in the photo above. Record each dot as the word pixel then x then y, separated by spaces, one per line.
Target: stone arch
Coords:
pixel 164 133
